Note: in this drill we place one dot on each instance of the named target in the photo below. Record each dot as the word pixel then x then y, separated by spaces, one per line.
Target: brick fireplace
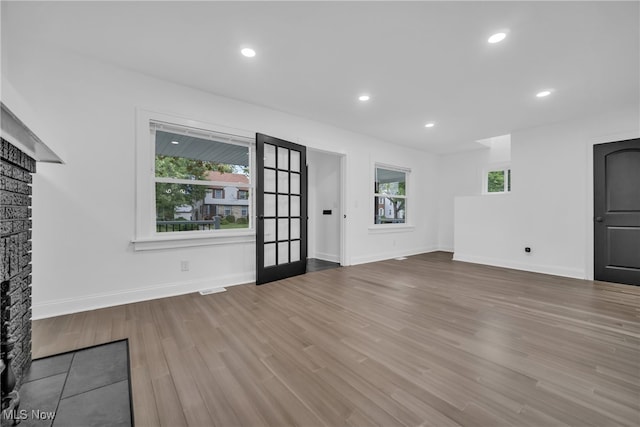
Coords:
pixel 16 168
pixel 20 149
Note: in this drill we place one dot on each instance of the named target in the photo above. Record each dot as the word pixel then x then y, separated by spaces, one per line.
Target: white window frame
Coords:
pixel 505 168
pixel 406 225
pixel 146 237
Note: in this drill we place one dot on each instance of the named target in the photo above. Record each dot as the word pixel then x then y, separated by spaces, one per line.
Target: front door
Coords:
pixel 281 209
pixel 616 172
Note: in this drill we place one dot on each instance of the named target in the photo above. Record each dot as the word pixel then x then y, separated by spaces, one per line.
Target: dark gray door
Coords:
pixel 616 172
pixel 281 209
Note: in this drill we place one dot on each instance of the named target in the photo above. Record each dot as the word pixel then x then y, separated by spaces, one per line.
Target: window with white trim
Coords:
pixel 497 180
pixel 194 171
pixel 390 195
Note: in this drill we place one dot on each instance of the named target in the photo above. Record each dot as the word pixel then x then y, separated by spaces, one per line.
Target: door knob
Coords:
pixel 599 219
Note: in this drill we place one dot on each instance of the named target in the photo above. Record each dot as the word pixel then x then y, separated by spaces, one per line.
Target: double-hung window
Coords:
pixel 193 169
pixel 390 195
pixel 187 175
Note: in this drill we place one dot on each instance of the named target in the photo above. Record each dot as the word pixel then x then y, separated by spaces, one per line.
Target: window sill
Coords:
pixel 501 193
pixel 191 240
pixel 391 228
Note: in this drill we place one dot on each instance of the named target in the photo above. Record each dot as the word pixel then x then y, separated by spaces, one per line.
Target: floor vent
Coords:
pixel 400 258
pixel 212 291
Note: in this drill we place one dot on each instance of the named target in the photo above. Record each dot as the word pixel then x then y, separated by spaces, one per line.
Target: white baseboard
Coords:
pixel 536 268
pixel 110 299
pixel 390 255
pixel 327 257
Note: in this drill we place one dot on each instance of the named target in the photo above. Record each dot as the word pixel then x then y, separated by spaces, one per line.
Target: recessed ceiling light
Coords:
pixel 543 93
pixel 248 52
pixel 364 97
pixel 497 37
pixel 175 142
pixel 430 125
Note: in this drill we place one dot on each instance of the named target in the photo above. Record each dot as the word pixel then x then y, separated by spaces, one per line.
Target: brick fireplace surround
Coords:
pixel 16 168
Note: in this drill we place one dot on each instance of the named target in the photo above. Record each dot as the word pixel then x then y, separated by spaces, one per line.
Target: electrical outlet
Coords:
pixel 184 265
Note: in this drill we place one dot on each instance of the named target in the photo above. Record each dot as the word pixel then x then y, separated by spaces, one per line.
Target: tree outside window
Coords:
pixel 190 173
pixel 498 181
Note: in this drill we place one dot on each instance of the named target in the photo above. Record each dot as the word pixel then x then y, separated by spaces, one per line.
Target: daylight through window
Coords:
pixel 202 180
pixel 498 181
pixel 390 196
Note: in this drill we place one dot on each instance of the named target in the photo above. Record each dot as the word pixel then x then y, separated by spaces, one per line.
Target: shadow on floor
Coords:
pixel 314 264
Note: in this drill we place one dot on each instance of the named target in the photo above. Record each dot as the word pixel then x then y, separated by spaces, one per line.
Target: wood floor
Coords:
pixel 424 341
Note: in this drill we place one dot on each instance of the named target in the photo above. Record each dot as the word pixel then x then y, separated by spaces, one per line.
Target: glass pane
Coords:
pixel 269 181
pixel 389 210
pixel 295 251
pixel 283 158
pixel 295 228
pixel 295 183
pixel 283 182
pixel 269 230
pixel 269 205
pixel 295 205
pixel 269 254
pixel 269 156
pixel 295 161
pixel 390 182
pixel 495 181
pixel 283 206
pixel 283 253
pixel 187 207
pixel 283 229
pixel 188 157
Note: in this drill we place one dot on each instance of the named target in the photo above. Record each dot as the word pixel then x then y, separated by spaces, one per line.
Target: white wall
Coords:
pixel 324 193
pixel 84 216
pixel 550 208
pixel 460 175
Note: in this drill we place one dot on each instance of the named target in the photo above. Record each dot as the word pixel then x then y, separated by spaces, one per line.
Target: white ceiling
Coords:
pixel 419 61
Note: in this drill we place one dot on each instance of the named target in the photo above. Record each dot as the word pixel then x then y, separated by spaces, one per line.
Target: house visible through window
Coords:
pixel 243 194
pixel 390 195
pixel 197 175
pixel 498 181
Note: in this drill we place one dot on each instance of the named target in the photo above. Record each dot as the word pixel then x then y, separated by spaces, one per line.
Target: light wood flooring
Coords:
pixel 424 341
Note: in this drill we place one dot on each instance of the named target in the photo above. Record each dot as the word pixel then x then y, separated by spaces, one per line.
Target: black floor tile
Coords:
pixel 48 366
pixel 87 387
pixel 96 367
pixel 41 395
pixel 100 407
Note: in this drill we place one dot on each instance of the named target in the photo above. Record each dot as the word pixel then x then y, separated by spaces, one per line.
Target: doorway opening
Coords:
pixel 326 210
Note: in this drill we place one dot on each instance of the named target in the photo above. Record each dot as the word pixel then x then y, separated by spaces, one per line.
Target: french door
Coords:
pixel 281 209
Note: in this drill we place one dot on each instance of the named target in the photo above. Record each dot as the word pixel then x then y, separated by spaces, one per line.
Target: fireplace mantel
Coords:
pixel 21 136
